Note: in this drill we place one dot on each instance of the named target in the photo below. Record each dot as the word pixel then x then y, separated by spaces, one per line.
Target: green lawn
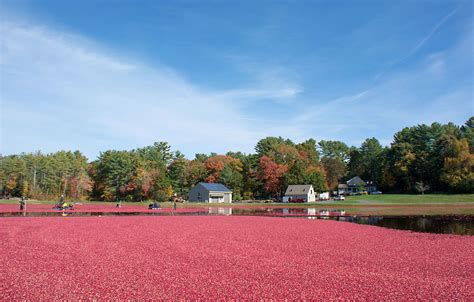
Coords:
pixel 410 199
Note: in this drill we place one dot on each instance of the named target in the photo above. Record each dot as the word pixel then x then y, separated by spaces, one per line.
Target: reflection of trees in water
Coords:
pixel 424 224
pixel 435 224
pixel 461 225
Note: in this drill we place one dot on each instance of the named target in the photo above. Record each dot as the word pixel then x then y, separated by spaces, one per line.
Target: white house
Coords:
pixel 210 192
pixel 299 193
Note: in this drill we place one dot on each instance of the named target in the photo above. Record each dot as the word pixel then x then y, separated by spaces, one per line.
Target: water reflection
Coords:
pixel 450 224
pixel 220 211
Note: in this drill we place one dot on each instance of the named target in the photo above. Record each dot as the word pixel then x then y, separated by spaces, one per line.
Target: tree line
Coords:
pixel 436 157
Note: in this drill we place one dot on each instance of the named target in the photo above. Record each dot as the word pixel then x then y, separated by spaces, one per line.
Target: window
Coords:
pixel 199 195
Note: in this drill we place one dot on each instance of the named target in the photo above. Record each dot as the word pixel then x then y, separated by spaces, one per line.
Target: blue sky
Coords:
pixel 215 76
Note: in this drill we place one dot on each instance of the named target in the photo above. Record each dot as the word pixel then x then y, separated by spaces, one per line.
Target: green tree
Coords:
pixel 335 170
pixel 458 167
pixel 367 161
pixel 269 144
pixel 177 174
pixel 335 156
pixel 468 132
pixel 195 172
pixel 233 179
pixel 334 149
pixel 422 187
pixel 115 172
pixel 308 151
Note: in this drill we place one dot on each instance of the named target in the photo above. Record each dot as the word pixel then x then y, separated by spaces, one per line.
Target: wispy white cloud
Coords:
pixel 61 91
pixel 270 81
pixel 437 63
pixel 433 31
pixel 322 109
pixel 425 93
pixel 421 42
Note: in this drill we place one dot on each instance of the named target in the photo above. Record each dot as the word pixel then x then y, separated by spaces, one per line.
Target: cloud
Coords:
pixel 433 31
pixel 274 82
pixel 391 65
pixel 430 91
pixel 60 91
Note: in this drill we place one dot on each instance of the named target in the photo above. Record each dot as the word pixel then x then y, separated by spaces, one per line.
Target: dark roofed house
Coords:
pixel 210 192
pixel 356 185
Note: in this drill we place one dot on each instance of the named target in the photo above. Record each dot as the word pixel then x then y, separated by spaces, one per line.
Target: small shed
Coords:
pixel 210 192
pixel 324 196
pixel 299 193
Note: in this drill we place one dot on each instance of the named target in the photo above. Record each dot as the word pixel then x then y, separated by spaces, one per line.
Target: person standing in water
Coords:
pixel 60 203
pixel 22 203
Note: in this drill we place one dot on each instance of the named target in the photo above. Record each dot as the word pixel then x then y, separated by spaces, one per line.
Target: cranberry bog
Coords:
pixel 227 257
pixel 80 208
pixel 441 224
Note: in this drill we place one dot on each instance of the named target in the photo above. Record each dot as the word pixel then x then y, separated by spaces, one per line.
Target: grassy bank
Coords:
pixel 410 199
pixel 389 204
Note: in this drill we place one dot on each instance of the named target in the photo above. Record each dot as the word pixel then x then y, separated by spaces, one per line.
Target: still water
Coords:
pixel 441 224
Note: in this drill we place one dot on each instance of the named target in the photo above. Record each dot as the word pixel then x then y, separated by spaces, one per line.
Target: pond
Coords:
pixel 440 224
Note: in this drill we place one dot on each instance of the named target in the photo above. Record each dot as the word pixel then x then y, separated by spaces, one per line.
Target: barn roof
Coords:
pixel 215 187
pixel 298 189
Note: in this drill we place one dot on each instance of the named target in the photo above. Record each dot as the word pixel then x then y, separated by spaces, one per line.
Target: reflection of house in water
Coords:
pixel 332 212
pixel 324 212
pixel 338 213
pixel 311 212
pixel 220 211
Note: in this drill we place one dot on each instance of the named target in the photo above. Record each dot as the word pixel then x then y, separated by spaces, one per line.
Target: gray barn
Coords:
pixel 210 192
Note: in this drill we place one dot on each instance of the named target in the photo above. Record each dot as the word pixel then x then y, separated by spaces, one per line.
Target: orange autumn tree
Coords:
pixel 215 166
pixel 272 175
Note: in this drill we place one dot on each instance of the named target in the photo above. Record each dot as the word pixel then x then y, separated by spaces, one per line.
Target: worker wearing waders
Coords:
pixel 22 203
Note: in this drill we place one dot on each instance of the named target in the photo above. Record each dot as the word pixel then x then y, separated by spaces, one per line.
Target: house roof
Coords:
pixel 298 190
pixel 354 181
pixel 215 187
pixel 342 186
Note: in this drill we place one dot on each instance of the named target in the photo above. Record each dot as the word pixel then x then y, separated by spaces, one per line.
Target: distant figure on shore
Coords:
pixel 174 205
pixel 22 203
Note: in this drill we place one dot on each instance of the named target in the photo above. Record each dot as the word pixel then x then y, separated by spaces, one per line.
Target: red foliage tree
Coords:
pixel 214 166
pixel 271 174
